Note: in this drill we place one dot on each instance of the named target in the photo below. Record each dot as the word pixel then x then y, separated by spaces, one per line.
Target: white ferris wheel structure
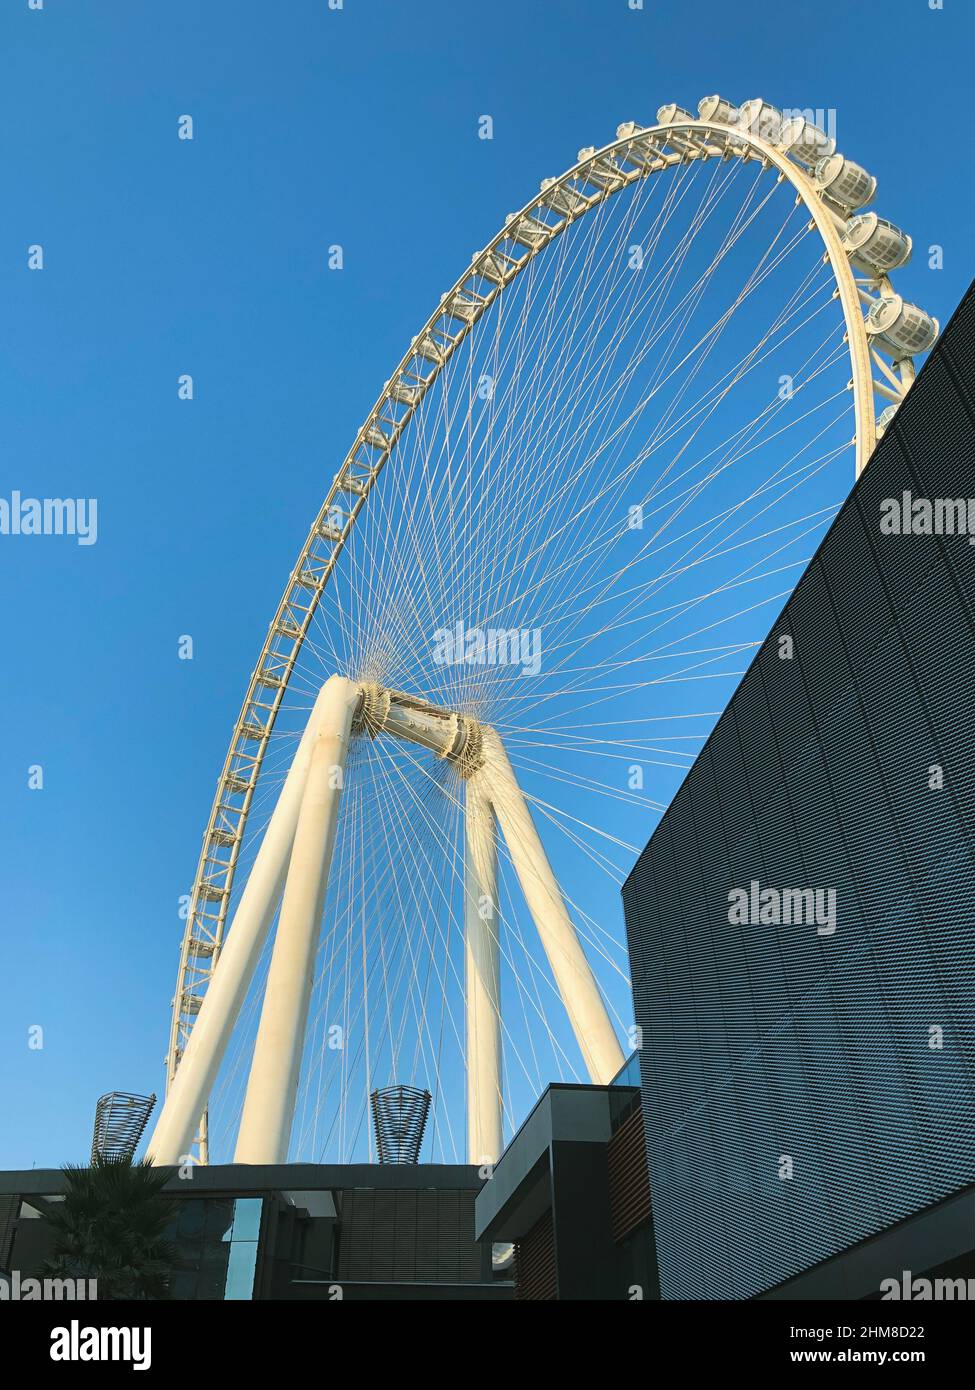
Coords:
pixel 577 504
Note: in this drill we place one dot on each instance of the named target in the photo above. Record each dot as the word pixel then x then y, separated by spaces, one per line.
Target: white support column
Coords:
pixel 272 1089
pixel 197 1071
pixel 587 1013
pixel 482 954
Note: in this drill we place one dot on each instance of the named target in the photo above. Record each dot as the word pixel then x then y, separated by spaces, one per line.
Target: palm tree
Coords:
pixel 110 1227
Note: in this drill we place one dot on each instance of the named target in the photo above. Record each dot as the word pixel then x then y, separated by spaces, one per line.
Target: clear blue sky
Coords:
pixel 163 257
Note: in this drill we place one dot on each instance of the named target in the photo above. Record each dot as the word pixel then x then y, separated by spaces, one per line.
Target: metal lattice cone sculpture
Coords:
pixel 400 1117
pixel 120 1122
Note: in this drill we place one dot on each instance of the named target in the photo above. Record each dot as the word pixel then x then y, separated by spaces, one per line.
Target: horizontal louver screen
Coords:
pixel 629 1182
pixel 535 1262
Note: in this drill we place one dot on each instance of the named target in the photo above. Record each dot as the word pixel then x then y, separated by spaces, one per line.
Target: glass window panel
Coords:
pixel 214 1265
pixel 191 1221
pixel 247 1218
pixel 182 1285
pixel 220 1219
pixel 240 1271
pixel 213 1278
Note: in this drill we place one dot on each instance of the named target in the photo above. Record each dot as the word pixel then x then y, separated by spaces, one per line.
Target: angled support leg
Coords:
pixel 482 976
pixel 197 1071
pixel 587 1013
pixel 272 1088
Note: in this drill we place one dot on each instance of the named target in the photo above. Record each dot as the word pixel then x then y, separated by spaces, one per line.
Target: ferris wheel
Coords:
pixel 572 515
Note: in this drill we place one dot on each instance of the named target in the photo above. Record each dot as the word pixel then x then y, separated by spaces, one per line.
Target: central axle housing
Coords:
pixel 455 737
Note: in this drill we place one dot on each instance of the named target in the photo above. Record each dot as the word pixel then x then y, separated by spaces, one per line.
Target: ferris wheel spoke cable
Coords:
pixel 558 456
pixel 626 612
pixel 651 587
pixel 615 662
pixel 614 484
pixel 533 1077
pixel 502 850
pixel 651 336
pixel 608 491
pixel 387 988
pixel 654 585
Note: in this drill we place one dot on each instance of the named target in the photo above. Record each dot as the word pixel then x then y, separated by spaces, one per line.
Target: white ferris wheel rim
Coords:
pixel 587 184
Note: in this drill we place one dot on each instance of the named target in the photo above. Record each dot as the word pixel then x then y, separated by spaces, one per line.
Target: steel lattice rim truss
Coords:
pixel 636 154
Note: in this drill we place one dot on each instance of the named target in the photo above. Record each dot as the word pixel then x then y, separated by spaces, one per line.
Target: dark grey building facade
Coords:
pixel 570 1197
pixel 296 1231
pixel 808 1057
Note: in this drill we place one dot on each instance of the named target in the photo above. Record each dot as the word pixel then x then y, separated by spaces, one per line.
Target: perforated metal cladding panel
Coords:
pixel 765 1041
pixel 408 1237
